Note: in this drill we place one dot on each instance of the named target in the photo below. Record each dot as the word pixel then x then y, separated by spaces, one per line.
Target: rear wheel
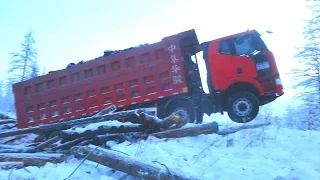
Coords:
pixel 183 105
pixel 243 107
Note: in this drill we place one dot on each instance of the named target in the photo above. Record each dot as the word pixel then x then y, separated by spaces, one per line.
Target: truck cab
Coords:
pixel 241 75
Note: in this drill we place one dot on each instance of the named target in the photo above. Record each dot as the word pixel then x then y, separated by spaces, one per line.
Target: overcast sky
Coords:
pixel 73 30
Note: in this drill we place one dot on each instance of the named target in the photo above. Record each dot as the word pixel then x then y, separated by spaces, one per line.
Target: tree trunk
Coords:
pixel 8 121
pixel 10 165
pixel 32 159
pixel 126 164
pixel 196 130
pixel 71 134
pixel 69 144
pixel 120 137
pixel 45 144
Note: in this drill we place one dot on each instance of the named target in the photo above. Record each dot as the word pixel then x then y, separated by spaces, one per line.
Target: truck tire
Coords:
pixel 243 107
pixel 180 104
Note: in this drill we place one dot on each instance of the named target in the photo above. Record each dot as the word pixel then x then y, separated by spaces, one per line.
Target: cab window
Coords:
pixel 225 47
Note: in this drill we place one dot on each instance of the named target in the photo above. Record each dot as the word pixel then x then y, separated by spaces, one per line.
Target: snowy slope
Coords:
pixel 263 153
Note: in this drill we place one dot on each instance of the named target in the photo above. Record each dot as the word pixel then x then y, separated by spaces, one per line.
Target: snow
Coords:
pixel 94 126
pixel 264 153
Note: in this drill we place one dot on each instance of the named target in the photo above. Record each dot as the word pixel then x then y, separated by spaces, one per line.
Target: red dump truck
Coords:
pixel 241 75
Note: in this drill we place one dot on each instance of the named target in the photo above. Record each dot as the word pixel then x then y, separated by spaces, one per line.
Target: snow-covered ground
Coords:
pixel 263 153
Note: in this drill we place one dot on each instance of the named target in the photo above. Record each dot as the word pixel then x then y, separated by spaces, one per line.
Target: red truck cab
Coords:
pixel 242 74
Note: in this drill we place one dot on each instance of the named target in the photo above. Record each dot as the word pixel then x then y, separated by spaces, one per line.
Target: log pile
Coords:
pixel 74 137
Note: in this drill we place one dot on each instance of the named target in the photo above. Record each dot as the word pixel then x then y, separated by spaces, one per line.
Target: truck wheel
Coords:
pixel 243 107
pixel 183 105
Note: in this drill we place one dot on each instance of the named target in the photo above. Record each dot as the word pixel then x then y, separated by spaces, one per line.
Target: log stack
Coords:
pixel 76 138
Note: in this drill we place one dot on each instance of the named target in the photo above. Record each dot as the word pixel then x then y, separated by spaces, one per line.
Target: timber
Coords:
pixel 69 144
pixel 72 134
pixel 10 165
pixel 120 137
pixel 32 159
pixel 45 144
pixel 127 164
pixel 8 121
pixel 208 128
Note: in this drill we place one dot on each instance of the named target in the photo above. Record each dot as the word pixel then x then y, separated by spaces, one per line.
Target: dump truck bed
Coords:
pixel 130 77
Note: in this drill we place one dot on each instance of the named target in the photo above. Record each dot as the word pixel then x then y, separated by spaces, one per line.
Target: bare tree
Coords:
pixel 24 64
pixel 308 75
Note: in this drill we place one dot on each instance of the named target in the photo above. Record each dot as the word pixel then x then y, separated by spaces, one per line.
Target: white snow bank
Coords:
pixel 250 154
pixel 263 153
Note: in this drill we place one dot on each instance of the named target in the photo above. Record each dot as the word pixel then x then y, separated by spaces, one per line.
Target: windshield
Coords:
pixel 247 45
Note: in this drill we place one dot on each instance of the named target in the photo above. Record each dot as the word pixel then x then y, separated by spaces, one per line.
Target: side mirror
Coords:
pixel 269 32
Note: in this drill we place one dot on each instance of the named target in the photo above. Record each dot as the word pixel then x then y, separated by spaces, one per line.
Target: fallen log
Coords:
pixel 10 165
pixel 8 126
pixel 196 130
pixel 231 130
pixel 120 137
pixel 3 116
pixel 122 128
pixel 69 144
pixel 126 164
pixel 43 145
pixel 32 159
pixel 72 134
pixel 11 150
pixel 10 139
pixel 8 121
pixel 68 124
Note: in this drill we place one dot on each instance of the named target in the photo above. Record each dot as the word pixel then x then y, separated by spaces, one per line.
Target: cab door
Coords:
pixel 220 63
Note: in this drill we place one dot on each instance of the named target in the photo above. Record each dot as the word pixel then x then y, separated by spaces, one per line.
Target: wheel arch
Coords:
pixel 245 82
pixel 237 87
pixel 184 98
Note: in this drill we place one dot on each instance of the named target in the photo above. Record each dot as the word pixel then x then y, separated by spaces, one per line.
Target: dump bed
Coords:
pixel 131 77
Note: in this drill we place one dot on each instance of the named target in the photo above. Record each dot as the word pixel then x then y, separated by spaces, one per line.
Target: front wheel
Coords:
pixel 243 107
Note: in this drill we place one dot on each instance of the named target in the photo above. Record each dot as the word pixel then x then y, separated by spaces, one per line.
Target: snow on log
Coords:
pixel 32 159
pixel 238 128
pixel 127 164
pixel 196 130
pixel 68 124
pixel 72 134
